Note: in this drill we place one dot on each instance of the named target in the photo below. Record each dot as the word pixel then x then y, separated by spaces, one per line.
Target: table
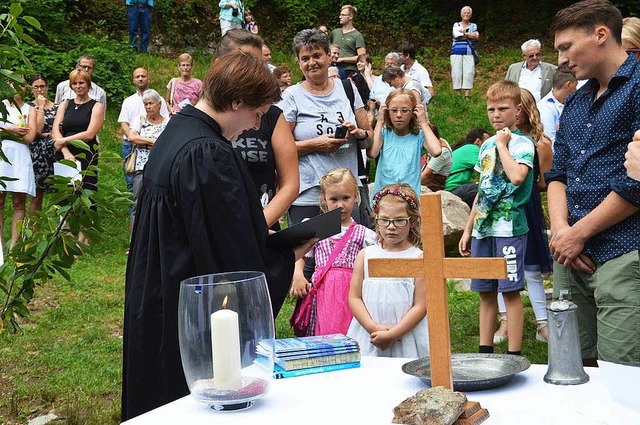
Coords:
pixel 368 394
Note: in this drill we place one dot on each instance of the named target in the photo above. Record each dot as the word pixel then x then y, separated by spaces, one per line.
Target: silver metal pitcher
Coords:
pixel 565 358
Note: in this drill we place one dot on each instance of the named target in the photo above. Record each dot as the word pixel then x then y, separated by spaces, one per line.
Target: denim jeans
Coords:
pixel 139 19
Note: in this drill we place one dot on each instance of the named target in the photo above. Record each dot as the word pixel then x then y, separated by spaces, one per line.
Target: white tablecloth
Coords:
pixel 368 394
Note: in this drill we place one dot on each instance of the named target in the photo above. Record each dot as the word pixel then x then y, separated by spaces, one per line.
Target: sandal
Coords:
pixel 541 325
pixel 497 339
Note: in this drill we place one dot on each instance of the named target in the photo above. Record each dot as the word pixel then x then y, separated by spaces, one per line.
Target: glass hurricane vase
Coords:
pixel 226 333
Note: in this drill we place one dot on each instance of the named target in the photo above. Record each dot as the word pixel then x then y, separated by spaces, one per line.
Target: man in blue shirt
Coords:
pixel 593 204
pixel 139 17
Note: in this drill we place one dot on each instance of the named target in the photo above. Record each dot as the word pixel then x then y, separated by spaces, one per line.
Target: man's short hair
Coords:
pixel 562 76
pixel 531 43
pixel 504 90
pixel 586 15
pixel 352 9
pixel 236 38
pixel 407 48
pixel 394 56
pixel 87 57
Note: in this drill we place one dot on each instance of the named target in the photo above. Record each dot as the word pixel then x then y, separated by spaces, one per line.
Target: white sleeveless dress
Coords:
pixel 20 166
pixel 387 301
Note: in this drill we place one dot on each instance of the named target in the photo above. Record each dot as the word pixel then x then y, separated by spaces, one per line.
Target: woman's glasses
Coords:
pixel 403 111
pixel 398 222
pixel 39 87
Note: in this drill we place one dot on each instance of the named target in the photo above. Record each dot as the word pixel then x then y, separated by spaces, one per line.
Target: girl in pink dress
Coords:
pixel 335 255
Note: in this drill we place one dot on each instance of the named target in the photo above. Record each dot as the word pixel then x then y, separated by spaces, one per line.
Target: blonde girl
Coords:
pixel 537 257
pixel 389 314
pixel 401 132
pixel 334 256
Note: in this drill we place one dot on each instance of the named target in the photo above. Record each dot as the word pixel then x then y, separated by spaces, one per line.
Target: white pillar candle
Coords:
pixel 225 345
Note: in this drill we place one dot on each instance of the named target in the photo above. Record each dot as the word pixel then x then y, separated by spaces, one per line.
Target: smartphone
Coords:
pixel 341 132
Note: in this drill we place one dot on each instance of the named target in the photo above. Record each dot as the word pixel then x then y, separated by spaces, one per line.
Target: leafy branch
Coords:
pixel 48 243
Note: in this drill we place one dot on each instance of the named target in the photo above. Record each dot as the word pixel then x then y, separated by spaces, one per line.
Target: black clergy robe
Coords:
pixel 197 213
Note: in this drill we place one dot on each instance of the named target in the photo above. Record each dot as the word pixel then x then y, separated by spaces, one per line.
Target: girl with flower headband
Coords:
pixel 389 314
pixel 401 132
pixel 334 257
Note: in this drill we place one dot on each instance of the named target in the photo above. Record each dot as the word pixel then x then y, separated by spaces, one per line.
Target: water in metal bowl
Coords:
pixel 473 371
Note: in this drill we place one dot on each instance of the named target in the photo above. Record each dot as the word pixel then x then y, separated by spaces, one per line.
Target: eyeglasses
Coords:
pixel 39 87
pixel 398 222
pixel 85 67
pixel 403 111
pixel 534 55
pixel 185 65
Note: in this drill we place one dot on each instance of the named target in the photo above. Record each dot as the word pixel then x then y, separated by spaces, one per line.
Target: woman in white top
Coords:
pixel 20 123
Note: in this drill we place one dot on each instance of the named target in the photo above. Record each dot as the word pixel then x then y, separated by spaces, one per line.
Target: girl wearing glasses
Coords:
pixel 401 132
pixel 389 314
pixel 42 150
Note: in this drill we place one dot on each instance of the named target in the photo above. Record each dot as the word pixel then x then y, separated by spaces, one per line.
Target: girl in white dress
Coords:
pixel 389 314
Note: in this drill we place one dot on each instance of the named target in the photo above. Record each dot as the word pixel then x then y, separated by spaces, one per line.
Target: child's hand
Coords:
pixel 382 339
pixel 299 287
pixel 502 137
pixel 464 246
pixel 421 114
pixel 382 113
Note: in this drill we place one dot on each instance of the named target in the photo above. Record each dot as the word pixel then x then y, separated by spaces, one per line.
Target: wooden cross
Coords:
pixel 435 268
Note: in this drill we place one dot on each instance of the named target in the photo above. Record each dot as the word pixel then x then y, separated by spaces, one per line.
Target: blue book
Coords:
pixel 279 373
pixel 311 344
pixel 319 353
pixel 308 362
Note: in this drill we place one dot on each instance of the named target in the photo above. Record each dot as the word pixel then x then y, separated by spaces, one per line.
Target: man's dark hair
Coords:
pixel 472 135
pixel 407 48
pixel 561 76
pixel 586 15
pixel 236 37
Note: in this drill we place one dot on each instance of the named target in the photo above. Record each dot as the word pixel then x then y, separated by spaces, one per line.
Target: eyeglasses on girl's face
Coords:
pixel 403 111
pixel 397 222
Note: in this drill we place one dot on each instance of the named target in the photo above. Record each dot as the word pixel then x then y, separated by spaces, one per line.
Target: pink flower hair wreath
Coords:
pixel 395 192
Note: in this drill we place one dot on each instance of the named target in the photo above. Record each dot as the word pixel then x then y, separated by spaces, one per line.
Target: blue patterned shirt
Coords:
pixel 589 156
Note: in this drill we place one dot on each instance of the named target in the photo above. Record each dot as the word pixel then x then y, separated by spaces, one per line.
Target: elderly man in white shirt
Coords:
pixel 551 106
pixel 63 90
pixel 413 68
pixel 532 74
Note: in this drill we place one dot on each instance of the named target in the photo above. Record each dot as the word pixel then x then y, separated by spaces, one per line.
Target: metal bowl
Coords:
pixel 473 371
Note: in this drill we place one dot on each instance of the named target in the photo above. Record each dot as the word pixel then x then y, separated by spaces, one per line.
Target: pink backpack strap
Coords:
pixel 334 253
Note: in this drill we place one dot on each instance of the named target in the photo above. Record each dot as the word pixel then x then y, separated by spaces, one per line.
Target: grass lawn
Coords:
pixel 69 356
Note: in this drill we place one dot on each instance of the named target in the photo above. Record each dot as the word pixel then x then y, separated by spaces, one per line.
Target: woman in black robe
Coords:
pixel 197 213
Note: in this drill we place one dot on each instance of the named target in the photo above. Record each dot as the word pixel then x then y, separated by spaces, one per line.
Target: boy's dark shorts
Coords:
pixel 510 248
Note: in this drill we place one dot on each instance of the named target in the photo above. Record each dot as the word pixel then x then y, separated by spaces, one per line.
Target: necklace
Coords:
pixel 318 91
pixel 77 105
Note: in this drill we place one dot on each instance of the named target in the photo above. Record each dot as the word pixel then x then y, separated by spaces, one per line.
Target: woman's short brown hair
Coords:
pixel 79 74
pixel 241 77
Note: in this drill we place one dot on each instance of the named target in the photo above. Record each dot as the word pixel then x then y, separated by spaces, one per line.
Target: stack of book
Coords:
pixel 314 354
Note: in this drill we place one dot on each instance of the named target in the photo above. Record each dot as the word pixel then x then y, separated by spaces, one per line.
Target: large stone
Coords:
pixel 433 406
pixel 455 214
